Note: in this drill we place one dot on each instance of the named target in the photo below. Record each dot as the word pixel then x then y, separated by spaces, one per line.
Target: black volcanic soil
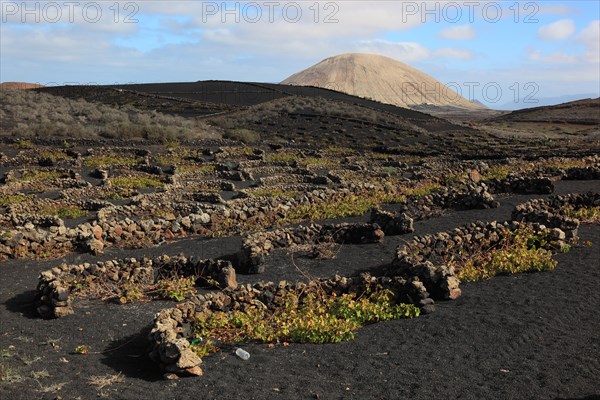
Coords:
pixel 585 112
pixel 249 106
pixel 565 122
pixel 528 336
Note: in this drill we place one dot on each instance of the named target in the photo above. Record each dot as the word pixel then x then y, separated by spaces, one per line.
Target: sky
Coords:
pixel 506 54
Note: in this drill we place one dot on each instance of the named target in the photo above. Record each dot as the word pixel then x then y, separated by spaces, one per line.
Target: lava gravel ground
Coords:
pixel 527 336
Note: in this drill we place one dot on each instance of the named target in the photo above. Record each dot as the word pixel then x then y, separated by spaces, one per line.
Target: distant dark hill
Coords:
pixel 580 112
pixel 546 101
pixel 319 121
pixel 210 97
pixel 252 93
pixel 179 104
pixel 292 114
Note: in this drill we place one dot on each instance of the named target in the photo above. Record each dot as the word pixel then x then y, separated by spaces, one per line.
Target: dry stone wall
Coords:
pixel 257 246
pixel 173 328
pixel 56 286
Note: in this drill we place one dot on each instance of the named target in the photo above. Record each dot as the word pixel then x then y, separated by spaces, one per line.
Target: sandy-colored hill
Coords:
pixel 380 78
pixel 19 85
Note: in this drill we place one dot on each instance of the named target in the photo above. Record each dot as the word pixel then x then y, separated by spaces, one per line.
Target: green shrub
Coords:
pixel 176 288
pixel 351 205
pixel 275 192
pixel 202 169
pixel 64 212
pixel 281 157
pixel 106 160
pixel 24 144
pixel 12 199
pixel 584 214
pixel 523 250
pixel 34 175
pixel 136 182
pixel 499 172
pixel 318 162
pixel 309 318
pixel 421 189
pixel 52 155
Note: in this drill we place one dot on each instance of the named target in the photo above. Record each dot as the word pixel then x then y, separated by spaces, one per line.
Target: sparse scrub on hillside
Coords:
pixel 33 114
pixel 309 106
pixel 243 135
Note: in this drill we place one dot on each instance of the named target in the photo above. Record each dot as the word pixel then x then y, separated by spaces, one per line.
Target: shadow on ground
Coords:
pixel 23 304
pixel 129 356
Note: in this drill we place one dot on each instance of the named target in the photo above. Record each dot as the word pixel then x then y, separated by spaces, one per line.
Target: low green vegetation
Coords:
pixel 136 182
pixel 499 172
pixel 13 199
pixel 64 212
pixel 421 188
pixel 117 194
pixel 106 160
pixel 348 206
pixel 584 214
pixel 454 179
pixel 340 151
pixel 54 155
pixel 169 159
pixel 524 250
pixel 176 155
pixel 300 318
pixel 176 288
pixel 281 157
pixel 566 164
pixel 171 144
pixel 379 156
pixel 243 135
pixel 275 192
pixel 8 373
pixel 237 150
pixel 35 175
pixel 24 144
pixel 198 169
pixel 317 162
pixel 172 287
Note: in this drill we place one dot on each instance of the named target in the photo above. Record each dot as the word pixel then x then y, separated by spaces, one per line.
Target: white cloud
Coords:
pixel 448 52
pixel 410 51
pixel 319 19
pixel 554 9
pixel 552 58
pixel 402 51
pixel 110 52
pixel 590 37
pixel 459 32
pixel 559 30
